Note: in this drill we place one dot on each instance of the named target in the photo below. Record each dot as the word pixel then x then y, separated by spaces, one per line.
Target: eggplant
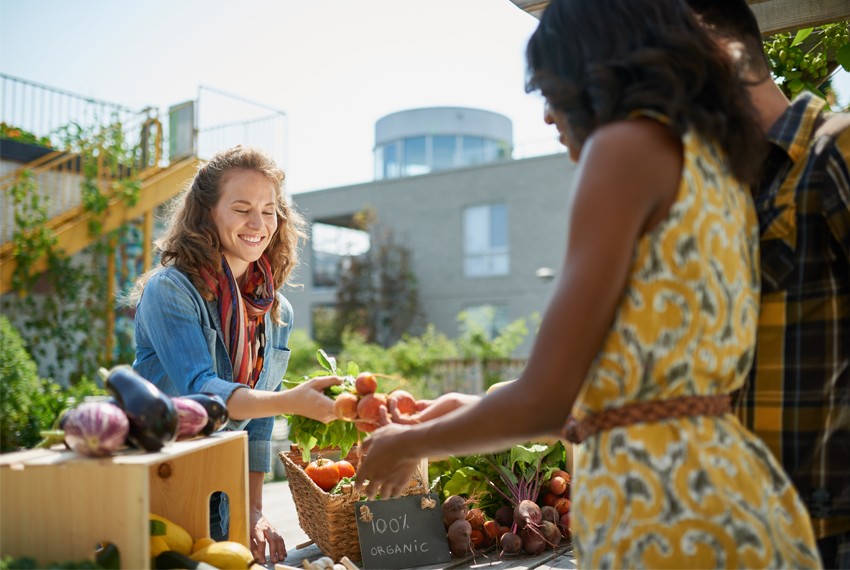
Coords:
pixel 96 429
pixel 193 417
pixel 152 415
pixel 216 409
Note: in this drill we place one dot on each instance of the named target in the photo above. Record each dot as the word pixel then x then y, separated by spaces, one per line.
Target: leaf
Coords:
pixel 795 85
pixel 353 369
pixel 465 481
pixel 801 36
pixel 842 56
pixel 326 362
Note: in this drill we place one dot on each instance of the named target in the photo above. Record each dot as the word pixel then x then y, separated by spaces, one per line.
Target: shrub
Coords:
pixel 29 404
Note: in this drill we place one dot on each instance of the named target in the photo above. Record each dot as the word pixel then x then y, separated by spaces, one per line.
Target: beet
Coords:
pixel 460 537
pixel 454 508
pixel 551 533
pixel 550 514
pixel 527 513
pixel 532 542
pixel 475 518
pixel 505 515
pixel 192 417
pixel 96 429
pixel 511 543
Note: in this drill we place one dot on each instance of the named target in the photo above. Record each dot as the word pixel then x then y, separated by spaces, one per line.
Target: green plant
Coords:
pixel 68 325
pixel 29 404
pixel 801 60
pixel 18 134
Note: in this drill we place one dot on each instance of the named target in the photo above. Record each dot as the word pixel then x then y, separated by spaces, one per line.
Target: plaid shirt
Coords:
pixel 798 397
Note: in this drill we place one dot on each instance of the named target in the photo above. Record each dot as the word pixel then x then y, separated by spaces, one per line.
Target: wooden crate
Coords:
pixel 56 505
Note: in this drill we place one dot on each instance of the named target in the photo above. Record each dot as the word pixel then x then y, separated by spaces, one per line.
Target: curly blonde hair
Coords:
pixel 191 241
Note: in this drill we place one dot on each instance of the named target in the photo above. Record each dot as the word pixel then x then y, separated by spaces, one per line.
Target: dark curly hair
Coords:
pixel 598 61
pixel 191 241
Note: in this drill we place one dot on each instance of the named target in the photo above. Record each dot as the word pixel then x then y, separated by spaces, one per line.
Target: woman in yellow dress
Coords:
pixel 652 322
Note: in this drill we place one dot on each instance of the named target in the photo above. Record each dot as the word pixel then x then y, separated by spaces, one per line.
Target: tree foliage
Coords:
pixel 378 294
pixel 808 58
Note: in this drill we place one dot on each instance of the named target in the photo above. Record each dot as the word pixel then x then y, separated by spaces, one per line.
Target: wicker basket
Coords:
pixel 328 519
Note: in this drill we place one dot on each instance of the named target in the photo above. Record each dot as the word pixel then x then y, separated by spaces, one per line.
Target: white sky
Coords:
pixel 334 66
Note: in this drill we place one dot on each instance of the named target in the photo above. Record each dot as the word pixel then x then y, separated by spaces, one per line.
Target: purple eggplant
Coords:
pixel 96 429
pixel 216 410
pixel 152 415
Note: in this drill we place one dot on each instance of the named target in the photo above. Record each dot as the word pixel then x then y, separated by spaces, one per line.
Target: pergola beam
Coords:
pixel 773 15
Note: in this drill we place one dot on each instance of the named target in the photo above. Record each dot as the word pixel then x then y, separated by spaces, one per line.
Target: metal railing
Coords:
pixel 68 119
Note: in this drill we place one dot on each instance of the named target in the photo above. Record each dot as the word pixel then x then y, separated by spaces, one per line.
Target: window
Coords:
pixel 489 319
pixel 332 245
pixel 473 151
pixel 415 158
pixel 443 152
pixel 386 161
pixel 485 241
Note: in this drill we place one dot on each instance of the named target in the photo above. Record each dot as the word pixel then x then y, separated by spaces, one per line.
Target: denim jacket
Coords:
pixel 180 348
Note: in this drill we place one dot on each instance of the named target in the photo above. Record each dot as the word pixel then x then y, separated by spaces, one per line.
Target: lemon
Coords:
pixel 158 546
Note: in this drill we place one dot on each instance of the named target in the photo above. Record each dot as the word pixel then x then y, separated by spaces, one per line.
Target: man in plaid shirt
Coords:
pixel 798 396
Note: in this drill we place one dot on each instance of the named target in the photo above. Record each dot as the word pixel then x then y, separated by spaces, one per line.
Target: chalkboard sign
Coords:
pixel 402 533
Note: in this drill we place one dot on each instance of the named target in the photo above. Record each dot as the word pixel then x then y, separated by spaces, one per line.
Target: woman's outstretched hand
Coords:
pixel 309 400
pixel 431 409
pixel 386 467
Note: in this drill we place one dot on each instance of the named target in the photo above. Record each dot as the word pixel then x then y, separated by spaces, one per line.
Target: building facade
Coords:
pixel 489 236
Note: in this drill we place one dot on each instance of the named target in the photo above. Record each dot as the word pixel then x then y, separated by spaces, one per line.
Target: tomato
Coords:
pixel 323 472
pixel 346 469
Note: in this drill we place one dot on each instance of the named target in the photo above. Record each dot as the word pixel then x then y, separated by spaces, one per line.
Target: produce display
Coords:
pixel 137 414
pixel 516 502
pixel 173 547
pixel 359 404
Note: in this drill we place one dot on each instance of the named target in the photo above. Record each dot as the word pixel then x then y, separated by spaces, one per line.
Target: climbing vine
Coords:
pixel 62 311
pixel 805 60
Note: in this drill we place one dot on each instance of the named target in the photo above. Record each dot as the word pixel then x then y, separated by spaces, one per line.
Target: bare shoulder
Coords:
pixel 636 162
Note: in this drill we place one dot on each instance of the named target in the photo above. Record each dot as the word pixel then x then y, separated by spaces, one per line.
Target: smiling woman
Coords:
pixel 211 318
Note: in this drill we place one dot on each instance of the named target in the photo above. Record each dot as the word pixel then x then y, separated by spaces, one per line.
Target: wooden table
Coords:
pixel 559 559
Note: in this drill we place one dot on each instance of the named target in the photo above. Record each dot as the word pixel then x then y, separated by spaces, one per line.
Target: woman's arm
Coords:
pixel 628 172
pixel 306 399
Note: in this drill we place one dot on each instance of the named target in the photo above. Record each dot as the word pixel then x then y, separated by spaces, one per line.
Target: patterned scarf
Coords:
pixel 242 311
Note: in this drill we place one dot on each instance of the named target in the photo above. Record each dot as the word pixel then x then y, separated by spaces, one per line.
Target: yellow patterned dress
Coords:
pixel 697 492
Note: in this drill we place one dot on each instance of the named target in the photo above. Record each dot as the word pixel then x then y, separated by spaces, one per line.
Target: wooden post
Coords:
pixel 147 240
pixel 110 299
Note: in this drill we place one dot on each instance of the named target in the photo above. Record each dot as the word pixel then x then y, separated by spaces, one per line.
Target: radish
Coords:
pixel 454 508
pixel 460 537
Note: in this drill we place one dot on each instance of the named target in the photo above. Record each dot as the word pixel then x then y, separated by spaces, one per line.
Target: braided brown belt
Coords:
pixel 576 431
